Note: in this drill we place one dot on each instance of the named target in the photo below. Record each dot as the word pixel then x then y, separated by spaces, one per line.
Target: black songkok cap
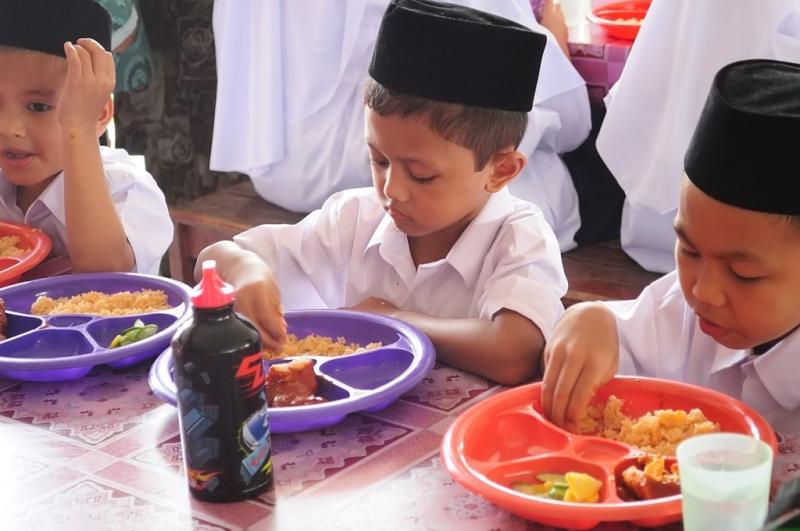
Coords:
pixel 457 54
pixel 745 150
pixel 45 25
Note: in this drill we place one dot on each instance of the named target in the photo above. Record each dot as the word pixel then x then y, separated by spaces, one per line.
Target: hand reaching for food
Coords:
pixel 581 356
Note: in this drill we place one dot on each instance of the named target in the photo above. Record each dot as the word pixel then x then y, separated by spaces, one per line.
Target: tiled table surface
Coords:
pixel 104 453
pixel 597 58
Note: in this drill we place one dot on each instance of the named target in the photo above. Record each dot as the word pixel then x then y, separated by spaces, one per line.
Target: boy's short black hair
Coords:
pixel 482 130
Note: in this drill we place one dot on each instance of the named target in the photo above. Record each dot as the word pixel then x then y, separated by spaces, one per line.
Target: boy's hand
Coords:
pixel 90 80
pixel 258 299
pixel 375 305
pixel 582 355
pixel 553 19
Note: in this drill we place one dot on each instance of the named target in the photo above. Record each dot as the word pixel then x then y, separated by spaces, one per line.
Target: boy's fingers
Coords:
pixel 86 61
pixel 583 391
pixel 96 53
pixel 268 342
pixel 92 46
pixel 563 390
pixel 110 68
pixel 73 61
pixel 273 325
pixel 553 362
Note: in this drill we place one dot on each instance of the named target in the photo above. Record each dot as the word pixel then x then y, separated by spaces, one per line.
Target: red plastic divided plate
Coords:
pixel 616 18
pixel 506 439
pixel 36 245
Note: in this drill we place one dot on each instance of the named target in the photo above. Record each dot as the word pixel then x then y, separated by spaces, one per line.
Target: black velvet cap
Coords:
pixel 745 150
pixel 457 54
pixel 45 25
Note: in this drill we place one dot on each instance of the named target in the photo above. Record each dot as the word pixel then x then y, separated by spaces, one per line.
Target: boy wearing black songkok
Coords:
pixel 728 317
pixel 438 241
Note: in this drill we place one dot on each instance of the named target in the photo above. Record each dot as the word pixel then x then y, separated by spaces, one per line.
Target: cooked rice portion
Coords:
pixel 658 432
pixel 314 345
pixel 98 303
pixel 9 246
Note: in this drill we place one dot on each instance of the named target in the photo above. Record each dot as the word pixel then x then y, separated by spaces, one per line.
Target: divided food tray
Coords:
pixel 364 381
pixel 67 346
pixel 36 244
pixel 506 439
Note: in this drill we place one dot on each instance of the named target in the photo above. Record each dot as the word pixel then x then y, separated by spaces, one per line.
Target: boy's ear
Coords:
pixel 105 116
pixel 505 166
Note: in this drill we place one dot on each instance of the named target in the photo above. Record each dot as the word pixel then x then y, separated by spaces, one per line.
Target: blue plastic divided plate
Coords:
pixel 364 381
pixel 67 346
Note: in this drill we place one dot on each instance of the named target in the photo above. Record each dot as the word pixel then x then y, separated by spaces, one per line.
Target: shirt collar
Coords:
pixel 726 357
pixel 779 371
pixel 52 198
pixel 778 368
pixel 392 246
pixel 465 256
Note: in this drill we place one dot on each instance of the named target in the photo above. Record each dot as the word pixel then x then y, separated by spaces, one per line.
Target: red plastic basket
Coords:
pixel 615 18
pixel 36 245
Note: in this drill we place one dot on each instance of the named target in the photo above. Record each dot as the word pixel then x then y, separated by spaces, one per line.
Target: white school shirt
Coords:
pixel 290 112
pixel 137 198
pixel 350 250
pixel 654 106
pixel 659 336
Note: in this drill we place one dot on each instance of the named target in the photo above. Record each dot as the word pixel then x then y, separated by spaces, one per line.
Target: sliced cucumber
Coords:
pixel 137 332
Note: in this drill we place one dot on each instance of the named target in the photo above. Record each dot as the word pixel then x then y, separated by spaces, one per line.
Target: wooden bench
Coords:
pixel 602 271
pixel 214 217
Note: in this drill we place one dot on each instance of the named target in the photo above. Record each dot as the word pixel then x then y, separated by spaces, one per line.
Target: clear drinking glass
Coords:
pixel 725 480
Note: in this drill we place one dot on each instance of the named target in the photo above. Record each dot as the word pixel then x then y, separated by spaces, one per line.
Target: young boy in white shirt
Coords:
pixel 439 242
pixel 728 317
pixel 56 79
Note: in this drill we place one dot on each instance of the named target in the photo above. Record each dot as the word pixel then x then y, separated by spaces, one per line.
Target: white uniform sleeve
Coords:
pixel 528 277
pixel 142 210
pixel 651 339
pixel 313 253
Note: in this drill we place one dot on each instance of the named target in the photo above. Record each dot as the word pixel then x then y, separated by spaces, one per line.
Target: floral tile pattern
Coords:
pixel 91 410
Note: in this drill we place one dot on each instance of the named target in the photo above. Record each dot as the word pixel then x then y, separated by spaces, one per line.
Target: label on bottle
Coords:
pixel 224 423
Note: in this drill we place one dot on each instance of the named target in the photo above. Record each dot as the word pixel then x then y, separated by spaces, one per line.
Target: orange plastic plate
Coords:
pixel 506 439
pixel 36 245
pixel 614 18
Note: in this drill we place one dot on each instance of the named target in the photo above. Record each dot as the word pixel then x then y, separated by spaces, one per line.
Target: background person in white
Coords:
pixel 289 111
pixel 653 108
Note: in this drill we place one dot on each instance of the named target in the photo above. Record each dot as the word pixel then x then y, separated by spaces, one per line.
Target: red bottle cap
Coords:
pixel 211 292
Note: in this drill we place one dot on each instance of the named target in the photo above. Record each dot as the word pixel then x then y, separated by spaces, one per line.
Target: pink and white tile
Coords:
pixel 445 388
pixel 90 410
pixel 169 488
pixel 408 414
pixel 425 498
pixel 92 505
pixel 301 460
